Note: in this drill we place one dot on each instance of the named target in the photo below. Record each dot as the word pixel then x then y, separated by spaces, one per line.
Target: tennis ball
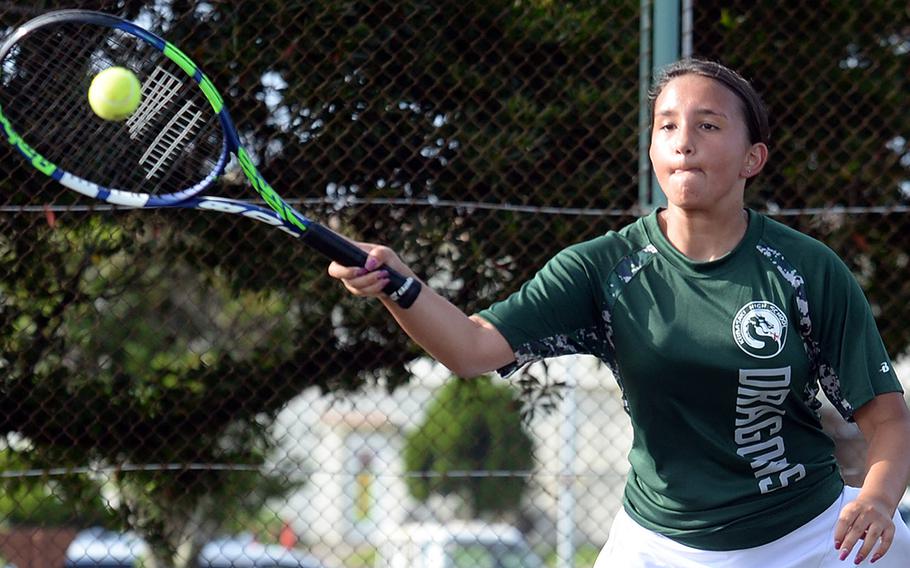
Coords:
pixel 114 93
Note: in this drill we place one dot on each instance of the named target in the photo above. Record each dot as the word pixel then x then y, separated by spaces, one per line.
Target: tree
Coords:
pixel 44 501
pixel 118 360
pixel 472 429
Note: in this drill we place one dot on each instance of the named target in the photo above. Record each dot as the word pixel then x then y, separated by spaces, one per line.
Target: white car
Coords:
pixel 101 548
pixel 244 552
pixel 98 548
pixel 456 545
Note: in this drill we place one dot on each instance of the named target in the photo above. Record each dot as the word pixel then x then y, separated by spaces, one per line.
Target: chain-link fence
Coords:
pixel 181 387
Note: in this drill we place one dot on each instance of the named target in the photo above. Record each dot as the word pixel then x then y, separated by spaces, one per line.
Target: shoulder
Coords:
pixel 806 259
pixel 608 249
pixel 797 247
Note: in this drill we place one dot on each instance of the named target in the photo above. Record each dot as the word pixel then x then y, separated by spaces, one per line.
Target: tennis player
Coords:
pixel 722 327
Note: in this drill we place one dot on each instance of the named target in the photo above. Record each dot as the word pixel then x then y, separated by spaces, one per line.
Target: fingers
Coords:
pixel 358 280
pixel 875 542
pixel 367 283
pixel 365 280
pixel 887 537
pixel 867 523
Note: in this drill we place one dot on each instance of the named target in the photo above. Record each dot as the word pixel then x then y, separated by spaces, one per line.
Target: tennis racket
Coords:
pixel 175 145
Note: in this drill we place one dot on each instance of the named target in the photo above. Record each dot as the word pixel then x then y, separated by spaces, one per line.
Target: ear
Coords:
pixel 755 160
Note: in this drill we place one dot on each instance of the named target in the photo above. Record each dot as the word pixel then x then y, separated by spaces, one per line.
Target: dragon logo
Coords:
pixel 760 329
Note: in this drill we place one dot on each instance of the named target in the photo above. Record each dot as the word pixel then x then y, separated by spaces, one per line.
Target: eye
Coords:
pixel 709 126
pixel 667 126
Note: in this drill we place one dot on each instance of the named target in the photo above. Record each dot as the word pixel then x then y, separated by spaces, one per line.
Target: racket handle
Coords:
pixel 402 290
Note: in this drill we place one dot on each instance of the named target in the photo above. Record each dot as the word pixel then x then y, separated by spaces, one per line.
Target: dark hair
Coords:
pixel 756 114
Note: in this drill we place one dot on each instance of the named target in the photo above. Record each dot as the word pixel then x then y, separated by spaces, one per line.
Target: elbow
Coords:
pixel 477 352
pixel 471 367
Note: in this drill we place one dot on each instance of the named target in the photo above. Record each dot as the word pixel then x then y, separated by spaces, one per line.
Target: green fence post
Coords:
pixel 660 28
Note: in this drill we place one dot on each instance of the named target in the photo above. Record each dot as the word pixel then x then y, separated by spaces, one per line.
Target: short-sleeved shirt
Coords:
pixel 720 365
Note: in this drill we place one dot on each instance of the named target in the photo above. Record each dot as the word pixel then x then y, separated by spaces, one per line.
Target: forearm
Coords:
pixel 469 346
pixel 466 345
pixel 888 462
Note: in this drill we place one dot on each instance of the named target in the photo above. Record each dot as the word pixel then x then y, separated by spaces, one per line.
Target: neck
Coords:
pixel 703 236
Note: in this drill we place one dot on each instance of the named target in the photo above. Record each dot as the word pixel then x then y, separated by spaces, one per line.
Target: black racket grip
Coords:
pixel 402 290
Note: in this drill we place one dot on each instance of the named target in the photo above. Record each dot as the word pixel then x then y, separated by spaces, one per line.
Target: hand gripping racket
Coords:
pixel 171 148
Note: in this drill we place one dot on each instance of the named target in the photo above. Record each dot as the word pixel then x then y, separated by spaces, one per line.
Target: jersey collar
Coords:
pixel 703 268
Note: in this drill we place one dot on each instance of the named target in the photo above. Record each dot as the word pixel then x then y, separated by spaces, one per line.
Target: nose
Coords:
pixel 683 142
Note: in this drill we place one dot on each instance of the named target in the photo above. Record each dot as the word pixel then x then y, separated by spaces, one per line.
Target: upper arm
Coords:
pixel 557 312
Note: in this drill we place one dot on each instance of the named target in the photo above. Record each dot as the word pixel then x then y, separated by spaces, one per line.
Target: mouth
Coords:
pixel 686 171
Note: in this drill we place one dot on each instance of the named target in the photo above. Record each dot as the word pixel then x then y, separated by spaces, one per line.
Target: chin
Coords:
pixel 686 197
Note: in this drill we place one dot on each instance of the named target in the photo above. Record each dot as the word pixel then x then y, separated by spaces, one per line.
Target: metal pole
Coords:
pixel 666 32
pixel 565 522
pixel 644 80
pixel 687 28
pixel 666 50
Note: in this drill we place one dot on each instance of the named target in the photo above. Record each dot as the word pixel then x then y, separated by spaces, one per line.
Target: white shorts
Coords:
pixel 810 546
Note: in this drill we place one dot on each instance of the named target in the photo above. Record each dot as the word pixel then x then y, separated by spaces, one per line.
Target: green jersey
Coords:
pixel 720 365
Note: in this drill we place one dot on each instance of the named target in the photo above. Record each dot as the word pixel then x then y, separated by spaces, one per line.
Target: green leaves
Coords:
pixel 473 444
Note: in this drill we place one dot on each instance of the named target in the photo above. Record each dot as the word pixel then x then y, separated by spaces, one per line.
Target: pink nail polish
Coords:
pixel 843 554
pixel 371 264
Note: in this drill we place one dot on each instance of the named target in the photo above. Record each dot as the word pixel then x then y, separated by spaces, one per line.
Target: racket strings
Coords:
pixel 173 138
pixel 157 92
pixel 46 116
pixel 170 143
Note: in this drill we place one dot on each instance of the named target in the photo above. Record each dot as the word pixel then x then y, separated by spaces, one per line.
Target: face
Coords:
pixel 700 145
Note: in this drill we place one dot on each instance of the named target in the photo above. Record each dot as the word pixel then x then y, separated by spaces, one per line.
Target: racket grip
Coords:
pixel 400 289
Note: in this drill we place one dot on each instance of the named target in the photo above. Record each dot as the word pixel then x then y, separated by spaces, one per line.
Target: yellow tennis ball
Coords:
pixel 114 93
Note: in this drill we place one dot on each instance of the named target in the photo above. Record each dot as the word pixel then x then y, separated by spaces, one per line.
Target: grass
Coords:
pixel 364 558
pixel 585 555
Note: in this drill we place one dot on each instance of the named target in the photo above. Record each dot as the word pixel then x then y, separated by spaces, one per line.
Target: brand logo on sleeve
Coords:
pixel 760 329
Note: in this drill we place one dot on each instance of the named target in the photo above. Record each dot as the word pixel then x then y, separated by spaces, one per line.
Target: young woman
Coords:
pixel 721 326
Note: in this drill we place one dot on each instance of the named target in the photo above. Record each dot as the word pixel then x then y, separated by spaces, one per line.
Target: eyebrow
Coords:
pixel 701 111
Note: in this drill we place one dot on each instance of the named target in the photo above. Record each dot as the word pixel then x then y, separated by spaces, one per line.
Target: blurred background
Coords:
pixel 191 389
